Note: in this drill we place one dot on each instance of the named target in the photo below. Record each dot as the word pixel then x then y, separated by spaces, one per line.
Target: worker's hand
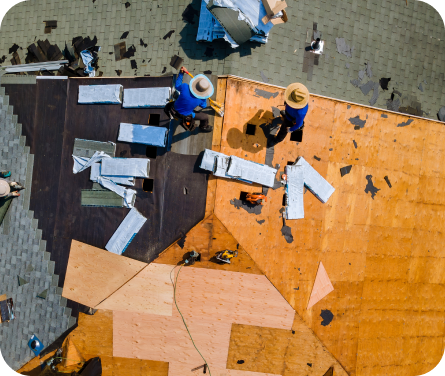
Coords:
pixel 182 70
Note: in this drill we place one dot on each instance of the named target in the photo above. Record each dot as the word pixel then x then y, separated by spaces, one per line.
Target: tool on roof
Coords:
pixel 218 107
pixel 226 255
pixel 193 257
pixel 256 198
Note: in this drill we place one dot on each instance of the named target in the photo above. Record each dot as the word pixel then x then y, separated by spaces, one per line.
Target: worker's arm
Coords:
pixel 298 120
pixel 179 80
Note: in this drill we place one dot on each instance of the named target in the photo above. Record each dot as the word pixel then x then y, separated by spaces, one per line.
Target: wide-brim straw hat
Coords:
pixel 201 87
pixel 296 95
pixel 4 188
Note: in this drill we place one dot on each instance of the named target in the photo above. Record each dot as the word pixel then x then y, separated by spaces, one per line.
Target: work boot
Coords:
pixel 5 174
pixel 209 128
pixel 18 187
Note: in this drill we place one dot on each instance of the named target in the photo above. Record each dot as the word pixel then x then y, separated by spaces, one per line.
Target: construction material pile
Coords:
pixel 238 21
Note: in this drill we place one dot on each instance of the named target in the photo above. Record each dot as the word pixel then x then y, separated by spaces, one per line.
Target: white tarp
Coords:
pixel 137 167
pixel 108 94
pixel 294 191
pixel 142 134
pixel 208 159
pixel 251 171
pixel 126 232
pixel 95 173
pixel 315 182
pixel 129 195
pixel 146 97
pixel 82 163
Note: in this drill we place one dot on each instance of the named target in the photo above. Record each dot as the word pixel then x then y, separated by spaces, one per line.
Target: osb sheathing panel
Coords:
pixel 383 254
pixel 208 238
pixel 93 273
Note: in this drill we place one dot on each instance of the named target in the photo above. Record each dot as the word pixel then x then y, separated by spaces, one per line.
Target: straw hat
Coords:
pixel 201 87
pixel 296 95
pixel 4 188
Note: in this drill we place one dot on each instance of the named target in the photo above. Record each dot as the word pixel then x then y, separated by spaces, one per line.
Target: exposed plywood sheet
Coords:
pixel 383 253
pixel 93 274
pixel 150 291
pixel 208 238
pixel 322 286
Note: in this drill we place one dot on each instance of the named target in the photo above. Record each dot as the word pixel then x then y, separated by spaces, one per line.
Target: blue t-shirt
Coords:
pixel 296 116
pixel 187 102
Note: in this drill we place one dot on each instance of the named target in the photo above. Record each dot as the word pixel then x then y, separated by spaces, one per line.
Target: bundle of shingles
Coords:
pixel 238 21
pixel 72 53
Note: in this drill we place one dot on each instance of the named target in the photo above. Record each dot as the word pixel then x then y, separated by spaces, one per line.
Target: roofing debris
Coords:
pixel 357 122
pixel 441 114
pixel 370 187
pixel 343 47
pixel 322 286
pixel 384 83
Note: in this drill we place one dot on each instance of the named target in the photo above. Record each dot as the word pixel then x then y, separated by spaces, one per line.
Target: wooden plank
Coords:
pixel 208 238
pixel 150 291
pixel 93 274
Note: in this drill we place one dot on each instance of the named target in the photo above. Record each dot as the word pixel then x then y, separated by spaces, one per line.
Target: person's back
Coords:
pixel 186 102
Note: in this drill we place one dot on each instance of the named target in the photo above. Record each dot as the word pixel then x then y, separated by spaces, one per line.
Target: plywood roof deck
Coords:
pixel 383 254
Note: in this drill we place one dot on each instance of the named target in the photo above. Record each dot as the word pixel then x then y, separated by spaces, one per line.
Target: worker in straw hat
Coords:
pixel 9 188
pixel 191 96
pixel 296 99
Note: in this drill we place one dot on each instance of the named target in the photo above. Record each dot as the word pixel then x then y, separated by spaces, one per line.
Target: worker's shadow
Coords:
pixel 255 132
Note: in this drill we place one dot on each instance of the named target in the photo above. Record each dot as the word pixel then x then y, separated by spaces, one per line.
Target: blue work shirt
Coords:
pixel 187 102
pixel 296 116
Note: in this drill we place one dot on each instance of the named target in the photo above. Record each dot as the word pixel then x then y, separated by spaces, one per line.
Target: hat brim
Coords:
pixel 290 101
pixel 201 95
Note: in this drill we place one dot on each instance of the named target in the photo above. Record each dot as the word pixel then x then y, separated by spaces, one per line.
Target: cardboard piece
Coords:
pixel 322 286
pixel 72 359
pixel 272 8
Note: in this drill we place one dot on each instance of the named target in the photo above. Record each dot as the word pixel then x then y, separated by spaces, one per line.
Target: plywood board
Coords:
pixel 383 252
pixel 208 238
pixel 150 291
pixel 93 274
pixel 322 286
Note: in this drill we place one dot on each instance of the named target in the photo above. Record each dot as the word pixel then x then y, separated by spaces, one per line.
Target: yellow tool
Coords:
pixel 226 255
pixel 218 107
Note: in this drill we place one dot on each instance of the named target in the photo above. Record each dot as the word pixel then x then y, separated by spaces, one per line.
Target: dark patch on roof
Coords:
pixel 384 116
pixel 344 48
pixel 240 361
pixel 349 106
pixel 420 87
pixel 2 59
pixel 357 122
pixel 327 317
pixel 370 187
pixel 345 170
pixel 176 61
pixel 388 182
pixel 366 88
pixel 164 70
pixel 384 83
pixel 266 94
pixel 355 143
pixel 124 35
pixel 130 52
pixel 209 52
pixel 441 114
pixel 287 233
pixel 142 43
pixel 168 35
pixel 375 95
pixel 14 48
pixel 181 241
pixel 118 72
pixel 189 14
pixel 134 65
pixel 261 221
pixel 207 72
pixel 127 4
pixel 309 364
pixel 404 124
pixel 317 158
pixel 247 206
pixel 393 105
pixel 368 69
pixel 264 77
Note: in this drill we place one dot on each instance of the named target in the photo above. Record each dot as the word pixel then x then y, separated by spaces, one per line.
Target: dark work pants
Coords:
pixel 203 119
pixel 282 133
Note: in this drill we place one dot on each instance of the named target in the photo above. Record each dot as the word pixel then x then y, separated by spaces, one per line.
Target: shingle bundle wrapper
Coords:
pixel 143 134
pixel 126 232
pixel 235 21
pixel 299 174
pixel 233 167
pixel 96 94
pixel 152 97
pixel 136 167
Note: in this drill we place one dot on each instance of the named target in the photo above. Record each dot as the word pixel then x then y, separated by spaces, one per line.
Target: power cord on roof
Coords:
pixel 183 320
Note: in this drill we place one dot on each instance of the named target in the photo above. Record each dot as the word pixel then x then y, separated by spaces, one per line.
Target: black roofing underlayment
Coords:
pixel 51 122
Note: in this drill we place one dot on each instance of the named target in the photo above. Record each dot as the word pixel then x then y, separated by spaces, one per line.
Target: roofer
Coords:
pixel 9 188
pixel 296 99
pixel 191 96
